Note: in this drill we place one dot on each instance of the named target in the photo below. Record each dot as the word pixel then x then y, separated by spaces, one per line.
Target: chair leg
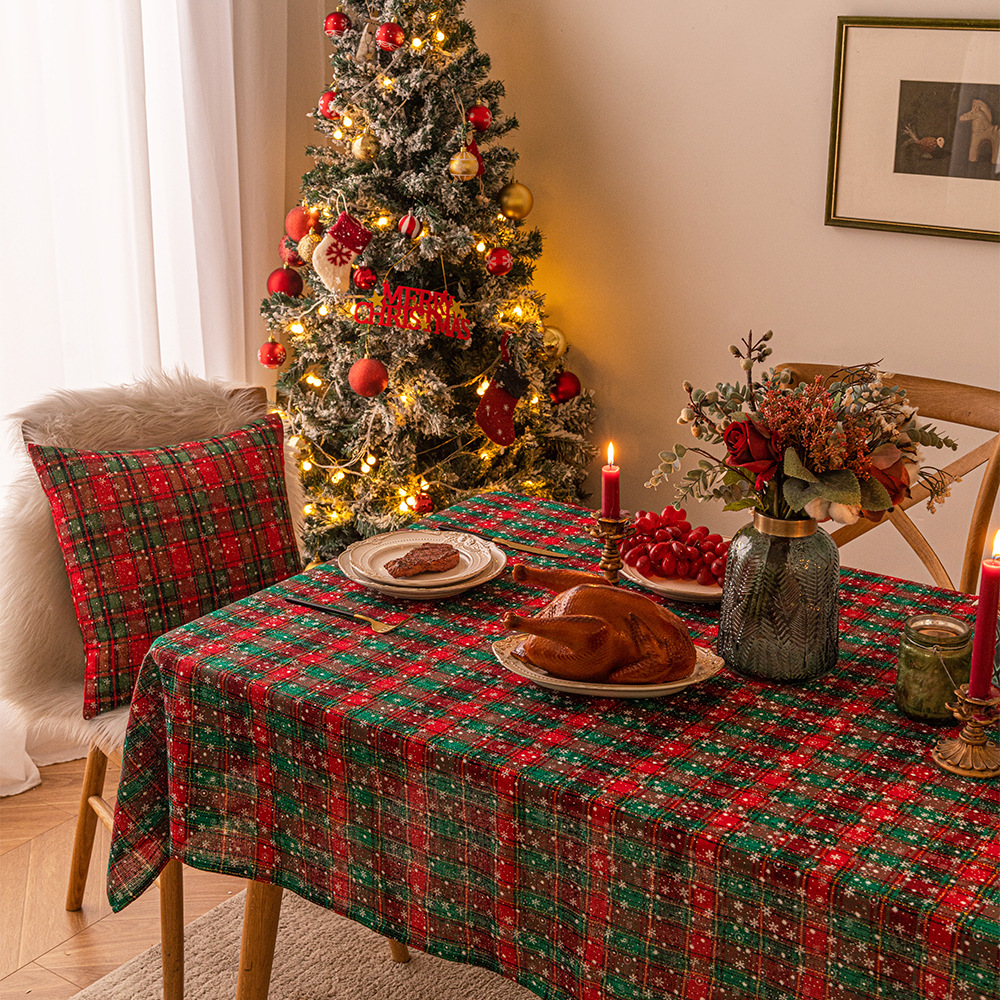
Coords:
pixel 260 928
pixel 86 823
pixel 172 929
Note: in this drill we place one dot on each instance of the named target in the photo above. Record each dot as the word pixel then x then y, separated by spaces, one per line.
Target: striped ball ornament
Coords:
pixel 409 225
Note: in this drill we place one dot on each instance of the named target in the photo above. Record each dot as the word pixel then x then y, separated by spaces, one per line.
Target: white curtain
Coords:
pixel 122 246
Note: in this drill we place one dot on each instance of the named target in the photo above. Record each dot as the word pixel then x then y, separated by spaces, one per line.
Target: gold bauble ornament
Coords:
pixel 366 147
pixel 307 245
pixel 554 342
pixel 515 200
pixel 463 166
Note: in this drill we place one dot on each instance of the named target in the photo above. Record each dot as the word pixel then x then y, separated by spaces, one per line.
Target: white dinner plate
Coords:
pixel 496 566
pixel 370 555
pixel 675 587
pixel 708 664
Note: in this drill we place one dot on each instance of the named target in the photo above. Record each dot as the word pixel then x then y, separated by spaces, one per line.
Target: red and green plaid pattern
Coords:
pixel 735 840
pixel 157 537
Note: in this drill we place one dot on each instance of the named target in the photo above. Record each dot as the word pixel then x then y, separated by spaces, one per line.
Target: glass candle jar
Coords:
pixel 935 653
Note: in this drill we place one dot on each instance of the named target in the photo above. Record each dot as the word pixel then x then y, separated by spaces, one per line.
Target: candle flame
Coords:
pixel 996 545
pixel 611 460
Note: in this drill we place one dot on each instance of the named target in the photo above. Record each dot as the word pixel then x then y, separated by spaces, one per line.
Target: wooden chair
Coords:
pixel 41 659
pixel 935 400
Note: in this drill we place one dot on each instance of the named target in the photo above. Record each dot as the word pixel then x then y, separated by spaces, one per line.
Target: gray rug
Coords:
pixel 319 955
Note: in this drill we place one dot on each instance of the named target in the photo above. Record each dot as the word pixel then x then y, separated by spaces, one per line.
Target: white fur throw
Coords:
pixel 41 649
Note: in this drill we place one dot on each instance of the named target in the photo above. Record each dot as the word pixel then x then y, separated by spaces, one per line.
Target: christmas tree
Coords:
pixel 420 369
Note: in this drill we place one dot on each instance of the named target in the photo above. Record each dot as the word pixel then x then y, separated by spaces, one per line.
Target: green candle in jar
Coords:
pixel 935 653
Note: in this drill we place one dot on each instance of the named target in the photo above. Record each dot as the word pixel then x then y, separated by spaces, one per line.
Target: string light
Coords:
pixel 348 121
pixel 404 399
pixel 306 465
pixel 480 246
pixel 323 311
pixel 484 455
pixel 383 221
pixel 294 440
pixel 337 134
pixel 411 501
pixel 297 327
pixel 483 386
pixel 371 459
pixel 309 509
pixel 403 509
pixel 314 380
pixel 337 477
pixel 417 42
pixel 365 467
pixel 388 83
pixel 439 36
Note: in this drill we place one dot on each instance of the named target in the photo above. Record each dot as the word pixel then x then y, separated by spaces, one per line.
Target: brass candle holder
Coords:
pixel 612 530
pixel 971 754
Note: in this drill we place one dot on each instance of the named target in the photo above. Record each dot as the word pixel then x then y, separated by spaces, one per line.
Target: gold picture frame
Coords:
pixel 915 131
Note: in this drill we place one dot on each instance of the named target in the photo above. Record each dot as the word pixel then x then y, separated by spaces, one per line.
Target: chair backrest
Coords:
pixel 953 402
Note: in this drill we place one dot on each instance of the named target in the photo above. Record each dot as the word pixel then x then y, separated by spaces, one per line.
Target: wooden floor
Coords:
pixel 46 952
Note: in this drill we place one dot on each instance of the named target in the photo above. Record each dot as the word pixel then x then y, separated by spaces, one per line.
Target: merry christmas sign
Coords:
pixel 414 309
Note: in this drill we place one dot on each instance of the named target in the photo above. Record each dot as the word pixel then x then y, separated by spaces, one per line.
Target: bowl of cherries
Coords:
pixel 665 554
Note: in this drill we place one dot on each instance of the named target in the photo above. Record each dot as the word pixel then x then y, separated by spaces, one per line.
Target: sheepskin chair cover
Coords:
pixel 41 652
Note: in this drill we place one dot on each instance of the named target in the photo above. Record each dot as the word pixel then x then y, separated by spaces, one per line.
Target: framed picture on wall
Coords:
pixel 915 136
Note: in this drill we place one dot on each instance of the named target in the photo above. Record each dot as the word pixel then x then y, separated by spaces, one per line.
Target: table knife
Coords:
pixel 322 607
pixel 519 546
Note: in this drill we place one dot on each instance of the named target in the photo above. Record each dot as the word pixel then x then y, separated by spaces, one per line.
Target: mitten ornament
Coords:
pixel 343 241
pixel 496 409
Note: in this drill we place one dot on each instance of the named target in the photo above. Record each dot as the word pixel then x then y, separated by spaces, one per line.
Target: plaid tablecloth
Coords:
pixel 735 840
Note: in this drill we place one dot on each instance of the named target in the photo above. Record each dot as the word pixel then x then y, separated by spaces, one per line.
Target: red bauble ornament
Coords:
pixel 289 252
pixel 368 377
pixel 365 279
pixel 499 261
pixel 284 280
pixel 565 387
pixel 300 221
pixel 425 503
pixel 389 36
pixel 409 225
pixel 271 354
pixel 480 117
pixel 336 23
pixel 326 108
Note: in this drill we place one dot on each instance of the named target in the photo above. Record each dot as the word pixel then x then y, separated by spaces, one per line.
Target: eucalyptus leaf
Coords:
pixel 797 492
pixel 743 504
pixel 874 496
pixel 840 486
pixel 794 467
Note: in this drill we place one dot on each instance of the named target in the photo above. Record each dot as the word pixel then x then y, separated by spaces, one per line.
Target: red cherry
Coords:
pixel 643 565
pixel 336 23
pixel 705 577
pixel 685 526
pixel 683 569
pixel 285 281
pixel 633 555
pixel 480 117
pixel 669 564
pixel 718 568
pixel 389 36
pixel 659 552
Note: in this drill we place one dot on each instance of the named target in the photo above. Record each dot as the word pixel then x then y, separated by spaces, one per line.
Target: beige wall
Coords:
pixel 678 157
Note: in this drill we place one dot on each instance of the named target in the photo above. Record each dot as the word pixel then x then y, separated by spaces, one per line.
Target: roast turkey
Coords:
pixel 595 632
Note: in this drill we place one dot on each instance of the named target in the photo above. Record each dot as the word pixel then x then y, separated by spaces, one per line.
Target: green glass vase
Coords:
pixel 779 619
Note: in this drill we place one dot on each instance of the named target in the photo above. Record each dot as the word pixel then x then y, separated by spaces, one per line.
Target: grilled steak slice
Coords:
pixel 431 557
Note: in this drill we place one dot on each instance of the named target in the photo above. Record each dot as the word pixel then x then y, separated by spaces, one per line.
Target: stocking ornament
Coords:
pixel 495 414
pixel 332 259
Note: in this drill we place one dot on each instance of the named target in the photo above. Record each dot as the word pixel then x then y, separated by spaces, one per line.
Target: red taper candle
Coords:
pixel 610 487
pixel 985 637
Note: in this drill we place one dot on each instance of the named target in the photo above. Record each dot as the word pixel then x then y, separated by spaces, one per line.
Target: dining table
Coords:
pixel 732 839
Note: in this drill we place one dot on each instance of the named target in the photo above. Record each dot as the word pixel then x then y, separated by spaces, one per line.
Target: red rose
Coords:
pixel 895 479
pixel 750 450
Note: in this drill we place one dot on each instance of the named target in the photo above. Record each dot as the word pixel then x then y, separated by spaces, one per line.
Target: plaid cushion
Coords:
pixel 155 538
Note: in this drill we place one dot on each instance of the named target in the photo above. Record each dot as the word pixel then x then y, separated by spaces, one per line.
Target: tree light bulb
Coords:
pixel 483 386
pixel 484 455
pixel 371 459
pixel 306 465
pixel 348 122
pixel 338 134
pixel 411 501
pixel 534 399
pixel 518 311
pixel 417 42
pixel 403 509
pixel 297 327
pixel 365 467
pixel 383 221
pixel 387 82
pixel 401 491
pixel 323 311
pixel 424 484
pixel 338 476
pixel 480 246
pixel 404 399
pixel 294 440
pixel 309 509
pixel 439 36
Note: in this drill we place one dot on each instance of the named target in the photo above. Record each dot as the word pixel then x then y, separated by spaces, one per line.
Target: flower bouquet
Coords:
pixel 839 450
